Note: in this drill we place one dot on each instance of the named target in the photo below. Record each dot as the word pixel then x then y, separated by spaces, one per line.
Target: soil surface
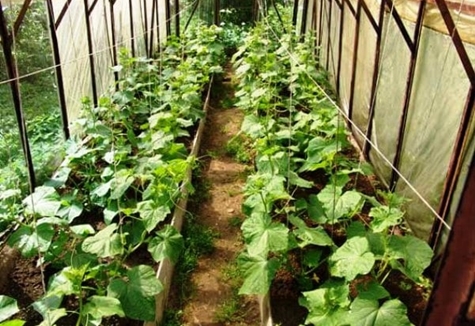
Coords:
pixel 225 179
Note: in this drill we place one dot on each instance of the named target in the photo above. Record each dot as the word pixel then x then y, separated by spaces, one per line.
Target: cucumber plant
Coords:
pixel 296 134
pixel 114 193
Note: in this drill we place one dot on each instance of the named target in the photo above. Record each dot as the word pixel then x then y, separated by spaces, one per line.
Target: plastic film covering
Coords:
pixel 101 44
pixel 437 100
pixel 364 76
pixel 162 16
pixel 122 24
pixel 394 66
pixel 435 113
pixel 462 11
pixel 73 48
pixel 348 40
pixel 135 29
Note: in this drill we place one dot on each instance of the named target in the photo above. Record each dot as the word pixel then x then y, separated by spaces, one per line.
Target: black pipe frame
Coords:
pixel 62 13
pixel 340 45
pixel 114 43
pixel 296 12
pixel 329 23
pixel 168 17
pixel 91 53
pixel 193 11
pixel 12 73
pixel 145 26
pixel 177 17
pixel 152 28
pixel 374 82
pixel 407 96
pixel 457 154
pixel 58 69
pixel 303 27
pixel 354 63
pixel 132 30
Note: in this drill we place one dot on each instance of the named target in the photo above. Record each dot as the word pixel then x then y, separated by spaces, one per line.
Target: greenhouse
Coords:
pixel 225 162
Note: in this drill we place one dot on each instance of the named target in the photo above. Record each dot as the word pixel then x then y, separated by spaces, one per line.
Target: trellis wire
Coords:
pixel 358 130
pixel 94 53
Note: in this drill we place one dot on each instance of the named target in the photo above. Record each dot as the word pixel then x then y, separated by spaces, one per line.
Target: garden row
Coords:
pixel 310 208
pixel 100 224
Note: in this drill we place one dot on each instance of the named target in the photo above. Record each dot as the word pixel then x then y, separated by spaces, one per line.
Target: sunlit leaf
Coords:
pixel 167 243
pixel 369 313
pixel 137 292
pixel 352 259
pixel 262 235
pixel 8 307
pixel 106 243
pixel 258 272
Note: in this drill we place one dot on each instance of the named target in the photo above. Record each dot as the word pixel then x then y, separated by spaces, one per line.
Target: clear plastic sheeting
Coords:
pixel 438 95
pixel 73 50
pixel 364 77
pixel 346 69
pixel 390 90
pixel 462 11
pixel 435 113
pixel 134 25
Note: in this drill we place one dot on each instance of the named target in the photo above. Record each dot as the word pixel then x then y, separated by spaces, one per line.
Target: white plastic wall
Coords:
pixel 438 97
pixel 133 27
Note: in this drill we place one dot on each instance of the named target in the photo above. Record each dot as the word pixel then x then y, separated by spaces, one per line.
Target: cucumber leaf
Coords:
pixel 105 243
pixel 258 272
pixel 262 235
pixel 352 259
pixel 415 253
pixel 168 243
pixel 136 292
pixel 8 307
pixel 369 313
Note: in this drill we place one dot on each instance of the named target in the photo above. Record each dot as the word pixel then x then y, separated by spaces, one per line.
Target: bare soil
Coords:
pixel 225 179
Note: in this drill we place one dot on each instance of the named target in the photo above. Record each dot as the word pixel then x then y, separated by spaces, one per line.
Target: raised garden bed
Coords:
pixel 100 229
pixel 320 233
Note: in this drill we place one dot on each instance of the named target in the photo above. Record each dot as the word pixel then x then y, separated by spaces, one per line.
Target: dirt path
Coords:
pixel 214 297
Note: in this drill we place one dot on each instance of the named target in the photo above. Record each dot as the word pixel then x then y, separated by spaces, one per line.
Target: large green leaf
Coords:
pixel 15 322
pixel 415 252
pixel 121 182
pixel 152 212
pixel 262 235
pixel 252 126
pixel 371 291
pixel 167 243
pixel 327 305
pixel 307 235
pixel 105 243
pixel 30 240
pixel 8 307
pixel 337 204
pixel 316 210
pixel 45 201
pixel 70 210
pixel 351 259
pixel 258 272
pixel 100 306
pixel 48 307
pixel 295 180
pixel 384 217
pixel 137 292
pixel 369 313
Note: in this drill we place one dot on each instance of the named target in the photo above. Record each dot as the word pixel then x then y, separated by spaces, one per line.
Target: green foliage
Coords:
pixel 39 99
pixel 127 175
pixel 8 307
pixel 137 292
pixel 295 131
